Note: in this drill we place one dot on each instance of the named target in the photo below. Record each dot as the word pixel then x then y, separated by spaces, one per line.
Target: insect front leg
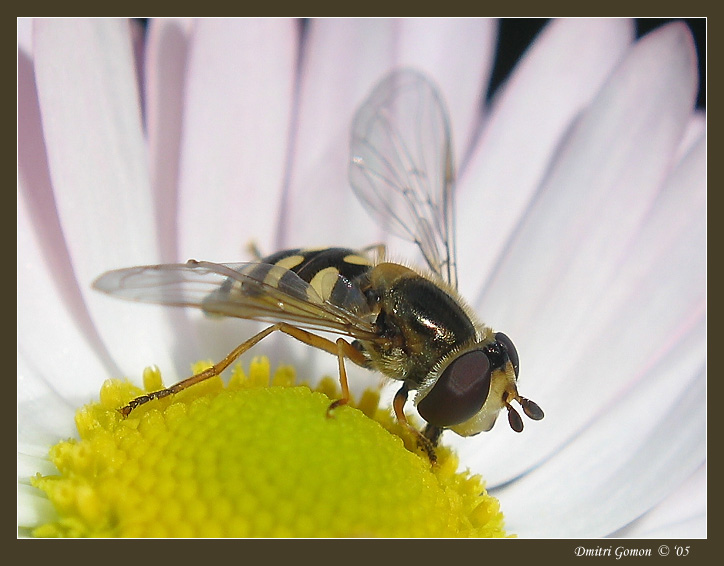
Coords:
pixel 427 444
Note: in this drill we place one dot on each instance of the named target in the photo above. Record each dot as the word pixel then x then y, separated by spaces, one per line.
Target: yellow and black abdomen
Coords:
pixel 322 267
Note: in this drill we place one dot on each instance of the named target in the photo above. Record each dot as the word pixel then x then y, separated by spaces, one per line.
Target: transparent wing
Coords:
pixel 401 165
pixel 256 291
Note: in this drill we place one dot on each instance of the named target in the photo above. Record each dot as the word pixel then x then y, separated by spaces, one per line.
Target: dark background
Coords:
pixel 517 33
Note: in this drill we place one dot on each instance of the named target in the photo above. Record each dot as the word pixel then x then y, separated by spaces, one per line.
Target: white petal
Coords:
pixel 634 393
pixel 459 55
pixel 47 311
pixel 343 59
pixel 681 515
pixel 593 350
pixel 45 416
pixel 165 70
pixel 695 130
pixel 557 77
pixel 47 288
pixel 581 494
pixel 33 509
pixel 612 161
pixel 237 106
pixel 650 435
pixel 54 334
pixel 96 153
pixel 563 255
pixel 25 36
pixel 595 295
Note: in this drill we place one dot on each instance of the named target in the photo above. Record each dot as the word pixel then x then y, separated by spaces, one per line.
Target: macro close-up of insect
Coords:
pixel 408 324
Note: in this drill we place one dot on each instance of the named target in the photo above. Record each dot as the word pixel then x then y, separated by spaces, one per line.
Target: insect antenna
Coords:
pixel 531 409
pixel 516 423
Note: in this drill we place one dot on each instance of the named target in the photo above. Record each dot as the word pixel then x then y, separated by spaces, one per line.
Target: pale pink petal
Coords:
pixel 165 70
pixel 342 61
pixel 695 130
pixel 649 435
pixel 238 97
pixel 137 31
pixel 47 287
pixel 25 35
pixel 459 55
pixel 53 375
pixel 556 290
pixel 558 76
pixel 681 515
pixel 238 104
pixel 71 365
pixel 44 417
pixel 35 509
pixel 634 385
pixel 613 472
pixel 96 154
pixel 45 414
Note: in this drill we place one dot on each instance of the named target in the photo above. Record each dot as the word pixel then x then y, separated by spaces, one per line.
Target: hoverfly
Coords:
pixel 410 325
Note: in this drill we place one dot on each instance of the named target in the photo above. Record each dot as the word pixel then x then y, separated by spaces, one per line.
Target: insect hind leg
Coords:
pixel 340 348
pixel 213 371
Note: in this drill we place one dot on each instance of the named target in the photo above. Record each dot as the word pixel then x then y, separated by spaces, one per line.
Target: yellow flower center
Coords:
pixel 256 458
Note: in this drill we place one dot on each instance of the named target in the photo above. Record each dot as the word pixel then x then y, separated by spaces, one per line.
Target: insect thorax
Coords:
pixel 422 321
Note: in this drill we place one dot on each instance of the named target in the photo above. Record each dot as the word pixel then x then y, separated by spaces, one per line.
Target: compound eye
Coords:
pixel 460 391
pixel 503 340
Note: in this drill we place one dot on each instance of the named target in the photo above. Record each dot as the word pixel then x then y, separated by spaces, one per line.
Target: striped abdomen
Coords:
pixel 321 268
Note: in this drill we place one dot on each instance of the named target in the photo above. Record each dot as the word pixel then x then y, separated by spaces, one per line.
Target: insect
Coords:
pixel 410 325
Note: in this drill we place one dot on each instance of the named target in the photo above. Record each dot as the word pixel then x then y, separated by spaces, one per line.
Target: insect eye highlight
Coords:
pixel 508 346
pixel 460 391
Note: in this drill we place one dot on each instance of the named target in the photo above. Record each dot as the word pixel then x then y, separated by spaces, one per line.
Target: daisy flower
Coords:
pixel 580 228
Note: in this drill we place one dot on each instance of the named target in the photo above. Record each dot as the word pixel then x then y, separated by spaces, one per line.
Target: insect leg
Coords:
pixel 345 349
pixel 253 250
pixel 433 433
pixel 380 251
pixel 399 404
pixel 213 371
pixel 339 348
